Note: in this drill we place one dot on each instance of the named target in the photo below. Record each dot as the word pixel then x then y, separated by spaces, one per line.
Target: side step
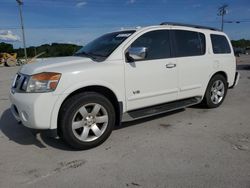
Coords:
pixel 159 109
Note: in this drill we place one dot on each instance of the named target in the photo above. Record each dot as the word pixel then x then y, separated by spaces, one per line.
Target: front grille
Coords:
pixel 18 82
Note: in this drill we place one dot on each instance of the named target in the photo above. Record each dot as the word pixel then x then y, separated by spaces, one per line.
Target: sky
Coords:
pixel 80 21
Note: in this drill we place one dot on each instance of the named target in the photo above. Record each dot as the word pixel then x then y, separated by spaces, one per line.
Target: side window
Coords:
pixel 157 44
pixel 189 43
pixel 220 44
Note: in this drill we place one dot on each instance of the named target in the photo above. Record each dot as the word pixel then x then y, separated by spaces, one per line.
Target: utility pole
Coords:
pixel 35 50
pixel 222 11
pixel 20 3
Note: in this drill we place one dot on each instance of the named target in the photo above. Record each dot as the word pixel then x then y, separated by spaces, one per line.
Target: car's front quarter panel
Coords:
pixel 43 108
pixel 106 74
pixel 109 74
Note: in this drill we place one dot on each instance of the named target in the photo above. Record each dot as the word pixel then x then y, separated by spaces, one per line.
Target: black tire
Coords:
pixel 68 112
pixel 207 100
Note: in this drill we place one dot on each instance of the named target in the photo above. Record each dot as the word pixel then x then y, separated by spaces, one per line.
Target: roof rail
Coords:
pixel 189 25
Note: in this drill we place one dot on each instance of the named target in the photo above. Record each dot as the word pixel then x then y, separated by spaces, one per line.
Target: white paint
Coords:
pixel 156 84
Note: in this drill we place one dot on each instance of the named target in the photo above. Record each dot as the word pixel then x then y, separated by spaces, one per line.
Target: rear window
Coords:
pixel 189 43
pixel 220 44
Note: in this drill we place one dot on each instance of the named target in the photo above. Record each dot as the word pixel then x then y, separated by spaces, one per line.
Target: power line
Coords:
pixel 60 27
pixel 105 25
pixel 104 4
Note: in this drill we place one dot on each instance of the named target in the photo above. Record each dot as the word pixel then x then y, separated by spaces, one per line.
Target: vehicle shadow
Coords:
pixel 198 106
pixel 16 132
pixel 25 136
pixel 22 135
pixel 243 67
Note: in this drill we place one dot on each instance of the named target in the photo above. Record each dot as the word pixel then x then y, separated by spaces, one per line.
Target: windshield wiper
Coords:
pixel 93 54
pixel 82 54
pixel 85 54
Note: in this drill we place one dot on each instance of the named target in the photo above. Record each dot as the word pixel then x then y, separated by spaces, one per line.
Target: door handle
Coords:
pixel 170 65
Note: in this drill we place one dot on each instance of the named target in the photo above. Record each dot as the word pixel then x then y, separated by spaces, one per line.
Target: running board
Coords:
pixel 159 109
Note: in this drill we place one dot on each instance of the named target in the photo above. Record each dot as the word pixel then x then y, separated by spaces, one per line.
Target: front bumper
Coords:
pixel 34 110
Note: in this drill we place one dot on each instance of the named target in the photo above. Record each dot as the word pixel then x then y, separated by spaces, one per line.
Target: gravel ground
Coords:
pixel 189 148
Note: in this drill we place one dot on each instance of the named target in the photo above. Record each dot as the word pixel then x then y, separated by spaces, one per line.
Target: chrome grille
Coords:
pixel 18 82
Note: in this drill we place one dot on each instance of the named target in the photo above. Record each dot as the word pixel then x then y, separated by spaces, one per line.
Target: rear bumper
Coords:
pixel 236 80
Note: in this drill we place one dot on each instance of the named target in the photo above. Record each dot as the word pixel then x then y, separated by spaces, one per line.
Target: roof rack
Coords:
pixel 189 25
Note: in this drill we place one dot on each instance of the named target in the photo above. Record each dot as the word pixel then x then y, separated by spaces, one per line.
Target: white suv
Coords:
pixel 123 76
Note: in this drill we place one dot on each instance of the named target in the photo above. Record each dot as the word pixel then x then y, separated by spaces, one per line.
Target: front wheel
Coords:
pixel 216 92
pixel 86 120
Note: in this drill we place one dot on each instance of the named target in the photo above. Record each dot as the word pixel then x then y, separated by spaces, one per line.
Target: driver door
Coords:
pixel 154 79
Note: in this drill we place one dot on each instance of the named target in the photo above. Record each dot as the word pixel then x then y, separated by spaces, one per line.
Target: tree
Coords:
pixel 53 50
pixel 5 47
pixel 242 43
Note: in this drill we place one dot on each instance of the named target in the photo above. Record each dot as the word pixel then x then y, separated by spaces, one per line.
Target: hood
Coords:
pixel 57 64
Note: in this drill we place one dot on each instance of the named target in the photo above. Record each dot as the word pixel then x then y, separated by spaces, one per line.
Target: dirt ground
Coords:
pixel 194 147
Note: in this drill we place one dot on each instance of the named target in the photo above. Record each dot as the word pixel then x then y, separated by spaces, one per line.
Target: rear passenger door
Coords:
pixel 193 65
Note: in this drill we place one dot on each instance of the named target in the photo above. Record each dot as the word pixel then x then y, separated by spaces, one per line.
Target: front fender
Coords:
pixel 75 87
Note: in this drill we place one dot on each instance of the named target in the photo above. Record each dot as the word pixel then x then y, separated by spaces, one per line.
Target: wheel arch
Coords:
pixel 220 73
pixel 105 91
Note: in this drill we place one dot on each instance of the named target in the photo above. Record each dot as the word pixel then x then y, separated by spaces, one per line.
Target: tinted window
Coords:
pixel 220 44
pixel 189 43
pixel 157 44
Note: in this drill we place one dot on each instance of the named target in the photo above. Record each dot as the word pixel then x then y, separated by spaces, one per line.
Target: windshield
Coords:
pixel 103 46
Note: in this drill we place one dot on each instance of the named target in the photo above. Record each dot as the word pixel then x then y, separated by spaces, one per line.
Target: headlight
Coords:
pixel 42 82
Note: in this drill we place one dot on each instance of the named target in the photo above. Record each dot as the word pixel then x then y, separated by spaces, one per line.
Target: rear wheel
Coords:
pixel 86 120
pixel 216 91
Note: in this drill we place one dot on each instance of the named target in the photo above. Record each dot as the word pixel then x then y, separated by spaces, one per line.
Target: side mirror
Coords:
pixel 136 53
